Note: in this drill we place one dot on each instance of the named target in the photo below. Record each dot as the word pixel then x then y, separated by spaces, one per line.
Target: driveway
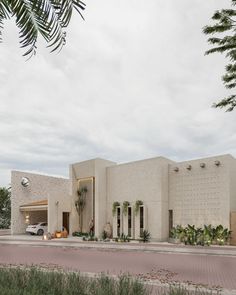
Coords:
pixel 195 269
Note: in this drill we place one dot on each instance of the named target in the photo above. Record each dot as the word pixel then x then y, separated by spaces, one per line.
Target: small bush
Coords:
pixel 79 234
pixel 146 236
pixel 208 235
pixel 104 235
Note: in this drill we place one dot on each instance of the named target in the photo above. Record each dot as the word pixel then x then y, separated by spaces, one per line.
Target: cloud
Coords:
pixel 131 83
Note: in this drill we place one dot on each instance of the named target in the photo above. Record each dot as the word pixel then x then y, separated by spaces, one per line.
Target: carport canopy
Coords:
pixel 41 205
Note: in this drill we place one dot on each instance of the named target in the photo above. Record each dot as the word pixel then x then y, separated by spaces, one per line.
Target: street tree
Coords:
pixel 224 41
pixel 34 18
pixel 5 208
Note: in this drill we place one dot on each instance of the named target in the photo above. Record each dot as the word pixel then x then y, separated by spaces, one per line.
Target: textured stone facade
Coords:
pixel 40 187
pixel 197 192
pixel 200 195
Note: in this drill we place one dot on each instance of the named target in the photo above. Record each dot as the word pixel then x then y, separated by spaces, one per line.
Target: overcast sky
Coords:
pixel 131 83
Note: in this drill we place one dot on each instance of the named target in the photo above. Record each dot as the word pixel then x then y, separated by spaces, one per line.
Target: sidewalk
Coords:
pixel 162 247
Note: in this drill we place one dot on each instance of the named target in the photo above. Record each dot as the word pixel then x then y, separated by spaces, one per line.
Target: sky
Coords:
pixel 131 83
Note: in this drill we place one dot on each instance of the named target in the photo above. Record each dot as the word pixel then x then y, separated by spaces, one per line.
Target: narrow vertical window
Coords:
pixel 129 221
pixel 141 220
pixel 118 222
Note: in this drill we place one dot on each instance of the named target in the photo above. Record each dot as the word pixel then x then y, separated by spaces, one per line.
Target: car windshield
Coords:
pixel 36 223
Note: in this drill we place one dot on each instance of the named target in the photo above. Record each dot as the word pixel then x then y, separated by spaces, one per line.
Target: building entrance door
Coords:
pixel 66 220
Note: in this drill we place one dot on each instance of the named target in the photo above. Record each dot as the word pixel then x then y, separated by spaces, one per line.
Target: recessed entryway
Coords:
pixel 66 220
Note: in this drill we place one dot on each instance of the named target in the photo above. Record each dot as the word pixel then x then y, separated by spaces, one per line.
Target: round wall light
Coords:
pixel 25 182
pixel 189 167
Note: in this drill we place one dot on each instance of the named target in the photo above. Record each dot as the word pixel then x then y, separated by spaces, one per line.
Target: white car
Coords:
pixel 38 228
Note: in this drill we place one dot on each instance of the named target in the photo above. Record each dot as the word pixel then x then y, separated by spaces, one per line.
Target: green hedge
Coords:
pixel 207 235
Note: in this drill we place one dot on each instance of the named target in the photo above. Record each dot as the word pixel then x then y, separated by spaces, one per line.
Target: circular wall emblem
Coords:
pixel 25 182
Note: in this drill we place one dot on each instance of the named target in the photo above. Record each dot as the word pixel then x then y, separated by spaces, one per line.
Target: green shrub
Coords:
pixel 104 235
pixel 146 236
pixel 124 238
pixel 79 234
pixel 208 235
pixel 177 232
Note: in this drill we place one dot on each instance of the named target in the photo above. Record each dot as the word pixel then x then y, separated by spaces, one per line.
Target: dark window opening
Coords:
pixel 170 221
pixel 141 221
pixel 118 222
pixel 129 221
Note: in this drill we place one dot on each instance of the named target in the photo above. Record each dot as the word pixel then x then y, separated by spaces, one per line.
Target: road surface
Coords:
pixel 196 269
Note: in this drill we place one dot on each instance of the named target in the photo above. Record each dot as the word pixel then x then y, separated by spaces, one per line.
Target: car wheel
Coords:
pixel 40 232
pixel 32 234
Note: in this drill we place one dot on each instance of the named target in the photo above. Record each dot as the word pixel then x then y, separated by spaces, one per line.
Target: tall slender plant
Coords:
pixel 80 204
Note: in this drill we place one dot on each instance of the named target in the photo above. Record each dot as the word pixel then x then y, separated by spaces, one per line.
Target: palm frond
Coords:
pixel 229 102
pixel 47 18
pixel 4 14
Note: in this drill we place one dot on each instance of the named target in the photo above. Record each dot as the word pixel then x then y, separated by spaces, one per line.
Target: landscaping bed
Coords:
pixel 38 281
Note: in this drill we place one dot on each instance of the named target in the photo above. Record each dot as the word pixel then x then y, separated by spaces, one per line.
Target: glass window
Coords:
pixel 118 222
pixel 129 221
pixel 141 220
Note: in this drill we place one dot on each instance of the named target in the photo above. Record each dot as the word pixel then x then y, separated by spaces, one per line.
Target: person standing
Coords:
pixel 91 227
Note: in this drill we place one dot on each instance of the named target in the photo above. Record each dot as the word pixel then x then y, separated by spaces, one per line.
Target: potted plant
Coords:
pixel 138 203
pixel 58 234
pixel 125 207
pixel 114 206
pixel 145 237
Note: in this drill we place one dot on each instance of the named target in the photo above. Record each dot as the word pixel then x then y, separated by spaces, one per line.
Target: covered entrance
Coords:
pixel 35 212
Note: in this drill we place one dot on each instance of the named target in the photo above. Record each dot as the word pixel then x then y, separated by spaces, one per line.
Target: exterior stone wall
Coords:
pixel 145 180
pixel 41 187
pixel 95 169
pixel 201 195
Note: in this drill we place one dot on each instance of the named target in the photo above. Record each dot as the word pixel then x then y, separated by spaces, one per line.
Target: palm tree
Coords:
pixel 47 18
pixel 224 41
pixel 80 204
pixel 5 207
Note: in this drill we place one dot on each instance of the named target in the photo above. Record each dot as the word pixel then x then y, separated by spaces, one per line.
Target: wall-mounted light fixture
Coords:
pixel 202 165
pixel 27 218
pixel 25 181
pixel 217 163
pixel 176 169
pixel 189 167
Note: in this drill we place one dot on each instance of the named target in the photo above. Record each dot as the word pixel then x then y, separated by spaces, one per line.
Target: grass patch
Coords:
pixel 33 281
pixel 36 281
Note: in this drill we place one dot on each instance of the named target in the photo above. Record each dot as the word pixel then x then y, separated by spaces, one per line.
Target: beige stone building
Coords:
pixel 158 193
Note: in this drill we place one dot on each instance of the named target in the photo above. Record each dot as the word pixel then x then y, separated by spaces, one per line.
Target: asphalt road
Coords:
pixel 197 269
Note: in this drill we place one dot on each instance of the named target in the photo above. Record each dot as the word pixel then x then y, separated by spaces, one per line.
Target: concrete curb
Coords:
pixel 124 247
